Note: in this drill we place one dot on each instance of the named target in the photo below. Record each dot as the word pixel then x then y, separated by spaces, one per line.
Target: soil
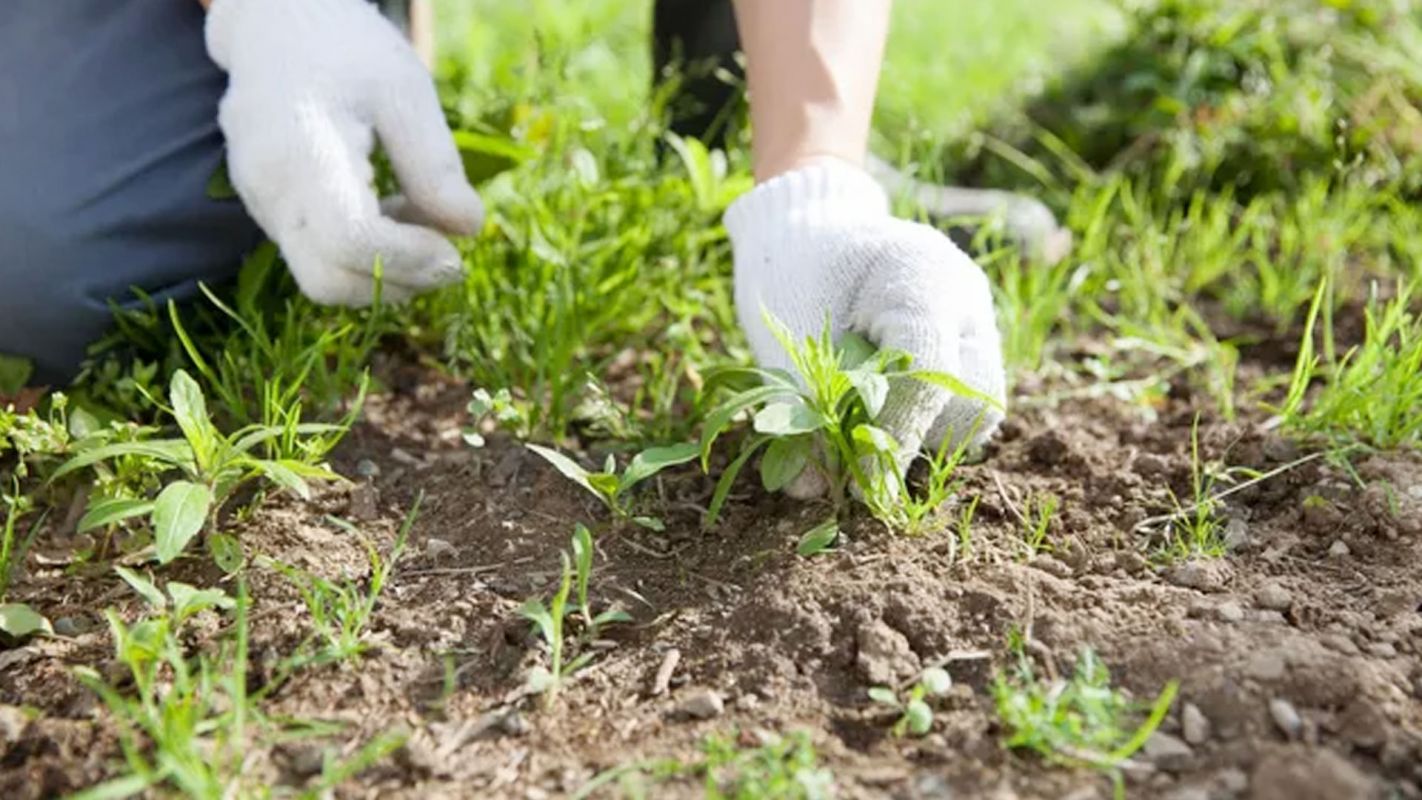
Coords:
pixel 1299 653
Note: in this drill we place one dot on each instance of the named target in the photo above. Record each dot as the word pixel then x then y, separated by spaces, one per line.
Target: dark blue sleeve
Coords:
pixel 108 139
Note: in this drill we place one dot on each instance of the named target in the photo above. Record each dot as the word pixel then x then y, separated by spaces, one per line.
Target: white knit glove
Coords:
pixel 312 83
pixel 820 241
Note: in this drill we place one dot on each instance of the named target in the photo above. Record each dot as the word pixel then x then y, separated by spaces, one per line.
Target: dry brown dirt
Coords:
pixel 1317 609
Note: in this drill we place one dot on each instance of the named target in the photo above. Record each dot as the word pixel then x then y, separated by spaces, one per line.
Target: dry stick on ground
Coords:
pixel 1183 513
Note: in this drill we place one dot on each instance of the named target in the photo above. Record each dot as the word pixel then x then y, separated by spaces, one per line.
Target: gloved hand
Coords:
pixel 312 83
pixel 820 240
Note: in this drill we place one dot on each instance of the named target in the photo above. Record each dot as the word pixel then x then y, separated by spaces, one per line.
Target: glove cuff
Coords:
pixel 228 19
pixel 828 193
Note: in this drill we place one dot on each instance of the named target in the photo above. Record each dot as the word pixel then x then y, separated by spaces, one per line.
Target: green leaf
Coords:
pixel 720 418
pixel 728 478
pixel 170 451
pixel 854 350
pixel 655 459
pixel 582 559
pixel 283 476
pixel 884 696
pixel 952 384
pixel 650 523
pixel 485 156
pixel 537 613
pixel 936 681
pixel 567 466
pixel 919 716
pixel 145 588
pixel 784 460
pixel 19 621
pixel 178 514
pixel 787 419
pixel 251 436
pixel 610 616
pixel 819 538
pixel 872 387
pixel 114 510
pixel 870 440
pixel 226 552
pixel 605 484
pixel 15 373
pixel 188 600
pixel 219 186
pixel 190 410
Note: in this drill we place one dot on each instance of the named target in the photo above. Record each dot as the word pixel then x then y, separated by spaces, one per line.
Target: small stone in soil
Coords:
pixel 1308 774
pixel 1274 597
pixel 1229 611
pixel 1236 535
pixel 1382 650
pixel 439 548
pixel 12 724
pixel 885 655
pixel 366 468
pixel 1286 717
pixel 1194 725
pixel 1338 549
pixel 1167 752
pixel 701 704
pixel 1232 780
pixel 1265 667
pixel 1204 576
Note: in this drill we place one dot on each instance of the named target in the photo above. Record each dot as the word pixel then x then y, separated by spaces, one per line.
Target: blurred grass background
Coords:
pixel 949 64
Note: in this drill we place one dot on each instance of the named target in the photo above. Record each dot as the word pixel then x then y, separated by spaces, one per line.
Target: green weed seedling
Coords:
pixel 780 767
pixel 213 467
pixel 915 714
pixel 1041 511
pixel 341 610
pixel 550 620
pixel 614 489
pixel 1196 529
pixel 186 722
pixel 1372 394
pixel 828 426
pixel 498 407
pixel 1078 722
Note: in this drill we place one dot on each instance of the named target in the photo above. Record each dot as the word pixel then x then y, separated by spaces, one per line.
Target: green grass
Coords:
pixel 1077 721
pixel 779 768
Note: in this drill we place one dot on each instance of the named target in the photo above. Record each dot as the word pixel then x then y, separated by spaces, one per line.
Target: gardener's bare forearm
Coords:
pixel 813 70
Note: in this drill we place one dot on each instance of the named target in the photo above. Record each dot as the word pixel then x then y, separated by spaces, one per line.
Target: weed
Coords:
pixel 1373 392
pixel 499 409
pixel 612 488
pixel 918 509
pixel 1196 529
pixel 341 611
pixel 915 714
pixel 1041 511
pixel 778 768
pixel 827 426
pixel 187 724
pixel 965 527
pixel 1081 721
pixel 213 466
pixel 550 620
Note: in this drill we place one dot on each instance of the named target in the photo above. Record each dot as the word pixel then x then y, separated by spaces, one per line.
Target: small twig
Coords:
pixel 662 680
pixel 1007 501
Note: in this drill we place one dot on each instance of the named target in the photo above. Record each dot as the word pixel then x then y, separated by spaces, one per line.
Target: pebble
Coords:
pixel 439 548
pixel 71 626
pixel 1382 650
pixel 1236 535
pixel 1274 597
pixel 1230 612
pixel 366 468
pixel 701 704
pixel 1168 752
pixel 1339 549
pixel 1232 780
pixel 1194 725
pixel 1286 717
pixel 1339 643
pixel 1204 576
pixel 1265 667
pixel 1316 774
pixel 12 724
